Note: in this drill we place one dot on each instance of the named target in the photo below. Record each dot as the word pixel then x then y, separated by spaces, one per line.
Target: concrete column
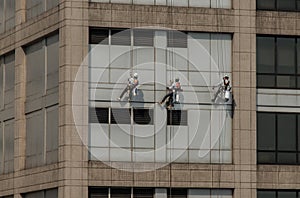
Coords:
pixel 73 153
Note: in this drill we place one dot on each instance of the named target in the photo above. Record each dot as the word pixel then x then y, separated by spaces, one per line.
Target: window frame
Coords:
pixel 278 191
pixel 276 74
pixel 276 151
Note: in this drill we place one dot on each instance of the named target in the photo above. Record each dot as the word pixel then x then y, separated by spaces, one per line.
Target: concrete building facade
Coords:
pixel 51 147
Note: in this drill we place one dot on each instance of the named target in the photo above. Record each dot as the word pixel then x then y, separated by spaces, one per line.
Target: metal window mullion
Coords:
pixel 275 61
pixel 276 138
pixel 3 146
pixel 45 65
pixel 45 133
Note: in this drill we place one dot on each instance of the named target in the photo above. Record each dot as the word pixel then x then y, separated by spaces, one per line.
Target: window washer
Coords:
pixel 223 86
pixel 173 93
pixel 131 87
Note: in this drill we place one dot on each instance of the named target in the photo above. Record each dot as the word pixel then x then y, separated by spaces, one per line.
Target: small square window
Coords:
pixel 286 5
pixel 120 116
pixel 143 37
pixel 265 4
pixel 98 115
pixel 99 36
pixel 177 117
pixel 266 157
pixel 177 39
pixel 265 80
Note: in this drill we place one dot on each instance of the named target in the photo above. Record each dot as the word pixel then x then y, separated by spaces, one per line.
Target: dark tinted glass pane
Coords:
pixel 120 192
pixel 120 116
pixel 266 131
pixel 98 35
pixel 265 80
pixel 143 37
pixel 287 158
pixel 286 81
pixel 98 115
pixel 266 157
pixel 298 123
pixel 287 194
pixel 298 5
pixel 286 4
pixel 266 4
pixel 98 193
pixel 286 55
pixel 143 116
pixel 298 52
pixel 177 117
pixel 143 192
pixel 286 129
pixel 298 82
pixel 121 37
pixel 266 194
pixel 177 39
pixel 177 193
pixel 265 54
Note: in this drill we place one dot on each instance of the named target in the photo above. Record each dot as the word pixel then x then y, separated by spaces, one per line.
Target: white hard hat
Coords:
pixel 135 75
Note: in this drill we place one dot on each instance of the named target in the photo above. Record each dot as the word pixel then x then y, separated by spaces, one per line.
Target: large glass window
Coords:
pixel 116 192
pixel 278 194
pixel 7 87
pixel 36 7
pixel 185 3
pixel 7 15
pixel 279 5
pixel 119 125
pixel 278 62
pixel 49 193
pixel 277 138
pixel 42 117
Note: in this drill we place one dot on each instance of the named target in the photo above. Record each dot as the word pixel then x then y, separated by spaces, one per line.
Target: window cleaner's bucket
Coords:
pixel 227 95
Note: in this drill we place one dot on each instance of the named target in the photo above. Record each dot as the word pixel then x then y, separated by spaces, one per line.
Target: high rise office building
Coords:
pixel 65 133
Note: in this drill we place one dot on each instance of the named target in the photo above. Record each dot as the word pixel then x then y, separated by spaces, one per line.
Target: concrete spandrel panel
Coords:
pixel 199 79
pixel 120 155
pixel 266 99
pixel 143 155
pixel 199 49
pixel 199 122
pixel 177 58
pixel 144 2
pixel 98 75
pixel 221 4
pixel 120 135
pixel 120 56
pixel 121 1
pixel 177 155
pixel 178 3
pixel 286 100
pixel 99 56
pixel 99 135
pixel 220 52
pixel 199 156
pixel 177 137
pixel 144 136
pixel 101 154
pixel 198 193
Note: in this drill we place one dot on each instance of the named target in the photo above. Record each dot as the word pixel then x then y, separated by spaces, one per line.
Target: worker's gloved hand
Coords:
pixel 167 87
